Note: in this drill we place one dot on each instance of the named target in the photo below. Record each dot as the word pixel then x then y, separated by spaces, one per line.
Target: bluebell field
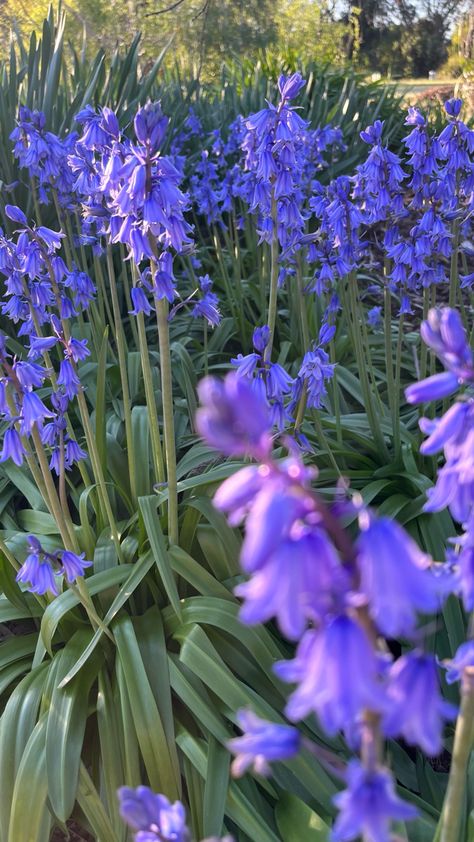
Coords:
pixel 237 478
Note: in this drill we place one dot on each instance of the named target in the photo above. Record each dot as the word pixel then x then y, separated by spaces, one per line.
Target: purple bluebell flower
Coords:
pixel 454 432
pixel 12 447
pixel 416 709
pixel 374 318
pixel 443 331
pixel 261 338
pixel 273 515
pixel 446 429
pixel 36 570
pixel 73 565
pixel 337 675
pixel 150 125
pixel 33 412
pixel 40 344
pixel 16 214
pixel 463 659
pixel 73 453
pixel 208 305
pixel 453 107
pixel 261 743
pixel 236 493
pixel 465 561
pixel 152 817
pixel 302 580
pixel 140 301
pixel 68 379
pixel 290 86
pixel 77 349
pixel 432 388
pixel 368 805
pixel 233 418
pixel 314 373
pixel 395 577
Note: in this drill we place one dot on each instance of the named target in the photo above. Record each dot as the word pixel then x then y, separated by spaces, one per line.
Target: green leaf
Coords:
pixel 148 724
pixel 148 510
pixel 197 575
pixel 141 449
pixel 111 738
pixel 29 818
pixel 215 787
pixel 138 572
pixel 16 726
pixel 93 809
pixel 296 821
pixel 66 723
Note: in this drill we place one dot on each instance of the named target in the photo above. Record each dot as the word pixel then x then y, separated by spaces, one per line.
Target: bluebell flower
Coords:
pixel 73 453
pixel 77 349
pixel 337 675
pixel 443 331
pixel 314 373
pixel 30 375
pixel 68 379
pixel 368 805
pixel 290 86
pixel 432 388
pixel 140 302
pixel 233 418
pixel 463 659
pixel 395 577
pixel 33 412
pixel 303 579
pixel 416 709
pixel 12 447
pixel 45 155
pixel 274 513
pixel 374 318
pixel 238 491
pixel 150 125
pixel 442 431
pixel 465 560
pixel 73 565
pixel 152 817
pixel 208 305
pixel 261 338
pixel 36 569
pixel 261 743
pixel 40 344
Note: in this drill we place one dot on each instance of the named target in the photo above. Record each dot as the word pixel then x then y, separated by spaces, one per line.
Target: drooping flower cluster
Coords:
pixel 132 195
pixel 453 434
pixel 153 818
pixel 44 155
pixel 337 598
pixel 41 569
pixel 270 380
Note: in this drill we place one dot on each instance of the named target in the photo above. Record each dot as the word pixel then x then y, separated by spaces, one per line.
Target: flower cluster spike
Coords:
pixel 337 598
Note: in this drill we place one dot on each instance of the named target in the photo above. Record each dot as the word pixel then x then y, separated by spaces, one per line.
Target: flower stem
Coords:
pixel 352 309
pixel 150 401
pixel 162 309
pixel 66 529
pixel 122 356
pixel 98 472
pixel 463 742
pixel 389 362
pixel 453 269
pixel 273 298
